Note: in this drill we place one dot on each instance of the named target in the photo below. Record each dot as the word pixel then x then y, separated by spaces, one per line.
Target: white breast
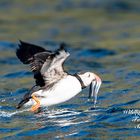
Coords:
pixel 64 90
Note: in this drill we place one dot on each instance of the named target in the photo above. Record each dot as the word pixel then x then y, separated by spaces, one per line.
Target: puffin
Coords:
pixel 53 85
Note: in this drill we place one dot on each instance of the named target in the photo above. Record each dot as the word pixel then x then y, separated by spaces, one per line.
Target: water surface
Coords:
pixel 103 37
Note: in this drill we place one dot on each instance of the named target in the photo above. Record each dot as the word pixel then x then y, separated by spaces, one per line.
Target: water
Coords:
pixel 103 37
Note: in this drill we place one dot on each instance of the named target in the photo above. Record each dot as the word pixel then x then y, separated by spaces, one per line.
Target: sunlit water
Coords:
pixel 105 45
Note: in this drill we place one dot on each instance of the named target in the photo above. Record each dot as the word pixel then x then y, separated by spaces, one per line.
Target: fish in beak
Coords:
pixel 94 88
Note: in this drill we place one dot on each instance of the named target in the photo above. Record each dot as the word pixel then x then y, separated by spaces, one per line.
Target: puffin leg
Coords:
pixel 36 106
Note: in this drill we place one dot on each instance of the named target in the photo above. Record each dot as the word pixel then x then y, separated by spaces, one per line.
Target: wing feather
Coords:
pixel 54 72
pixel 47 66
pixel 35 56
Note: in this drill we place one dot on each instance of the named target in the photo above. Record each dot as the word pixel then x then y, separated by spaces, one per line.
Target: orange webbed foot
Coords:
pixel 35 107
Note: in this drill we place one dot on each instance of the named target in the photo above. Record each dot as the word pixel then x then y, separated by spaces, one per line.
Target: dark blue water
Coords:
pixel 102 37
pixel 113 116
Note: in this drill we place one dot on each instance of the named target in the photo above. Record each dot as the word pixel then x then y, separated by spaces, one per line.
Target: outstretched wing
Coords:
pixel 46 65
pixel 35 56
pixel 55 71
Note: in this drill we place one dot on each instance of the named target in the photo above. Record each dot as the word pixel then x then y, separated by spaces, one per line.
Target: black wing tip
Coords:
pixel 63 46
pixel 21 42
pixel 26 50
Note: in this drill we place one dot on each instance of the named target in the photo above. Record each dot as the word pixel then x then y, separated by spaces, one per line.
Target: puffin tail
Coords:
pixel 22 102
pixel 27 96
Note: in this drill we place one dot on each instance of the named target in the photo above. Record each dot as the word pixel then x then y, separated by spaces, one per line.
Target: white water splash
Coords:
pixel 9 114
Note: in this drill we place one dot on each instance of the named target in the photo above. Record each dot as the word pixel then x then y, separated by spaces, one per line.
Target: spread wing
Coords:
pixel 55 71
pixel 47 66
pixel 35 56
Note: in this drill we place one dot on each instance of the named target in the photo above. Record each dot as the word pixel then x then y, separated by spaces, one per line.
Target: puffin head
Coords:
pixel 92 80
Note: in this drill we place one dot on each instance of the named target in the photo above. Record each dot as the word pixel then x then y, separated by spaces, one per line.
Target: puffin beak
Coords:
pixel 94 88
